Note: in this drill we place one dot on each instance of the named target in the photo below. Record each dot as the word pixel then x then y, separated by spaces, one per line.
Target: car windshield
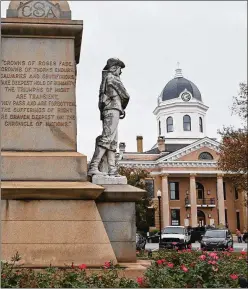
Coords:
pixel 215 234
pixel 173 230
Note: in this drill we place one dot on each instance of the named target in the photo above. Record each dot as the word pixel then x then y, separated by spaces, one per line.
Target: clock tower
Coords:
pixel 180 111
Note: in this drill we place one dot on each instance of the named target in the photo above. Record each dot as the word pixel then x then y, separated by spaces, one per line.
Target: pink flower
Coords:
pixel 234 276
pixel 140 280
pixel 107 265
pixel 212 254
pixel 231 249
pixel 212 262
pixel 243 252
pixel 240 258
pixel 189 247
pixel 202 257
pixel 163 260
pixel 159 262
pixel 82 267
pixel 184 268
pixel 170 265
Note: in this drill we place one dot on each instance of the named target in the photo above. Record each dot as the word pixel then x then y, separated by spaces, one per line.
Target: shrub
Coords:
pixel 169 269
pixel 195 269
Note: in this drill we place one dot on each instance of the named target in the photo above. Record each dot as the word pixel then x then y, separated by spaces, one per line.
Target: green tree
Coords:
pixel 234 144
pixel 136 177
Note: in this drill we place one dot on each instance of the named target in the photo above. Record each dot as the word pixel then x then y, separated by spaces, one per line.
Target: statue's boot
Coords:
pixel 93 169
pixel 112 164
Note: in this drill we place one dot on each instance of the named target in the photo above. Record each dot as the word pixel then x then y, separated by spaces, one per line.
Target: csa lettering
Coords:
pixel 38 9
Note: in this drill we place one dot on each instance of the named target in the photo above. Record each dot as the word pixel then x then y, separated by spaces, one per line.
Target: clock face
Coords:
pixel 186 96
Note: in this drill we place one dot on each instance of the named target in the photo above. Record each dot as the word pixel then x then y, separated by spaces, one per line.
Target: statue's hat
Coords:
pixel 114 62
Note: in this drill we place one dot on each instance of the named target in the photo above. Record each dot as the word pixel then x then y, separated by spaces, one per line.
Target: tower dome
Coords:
pixel 180 111
pixel 177 85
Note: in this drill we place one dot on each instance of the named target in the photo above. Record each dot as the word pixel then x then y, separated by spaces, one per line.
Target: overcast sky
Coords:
pixel 209 39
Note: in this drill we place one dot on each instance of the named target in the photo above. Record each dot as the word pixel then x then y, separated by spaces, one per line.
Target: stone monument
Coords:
pixel 51 213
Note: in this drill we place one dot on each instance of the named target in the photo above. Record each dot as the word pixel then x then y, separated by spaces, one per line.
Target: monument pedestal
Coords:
pixel 50 213
pixel 54 232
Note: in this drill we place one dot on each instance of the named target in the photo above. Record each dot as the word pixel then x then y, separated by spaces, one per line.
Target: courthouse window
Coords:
pixel 175 217
pixel 236 193
pixel 149 187
pixel 169 124
pixel 224 190
pixel 186 123
pixel 159 128
pixel 174 190
pixel 200 124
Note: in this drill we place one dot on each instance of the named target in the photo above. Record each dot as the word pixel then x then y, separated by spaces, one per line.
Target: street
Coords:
pixel 238 247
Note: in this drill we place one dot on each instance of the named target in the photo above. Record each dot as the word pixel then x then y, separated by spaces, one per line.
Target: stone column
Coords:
pixel 193 200
pixel 165 207
pixel 221 205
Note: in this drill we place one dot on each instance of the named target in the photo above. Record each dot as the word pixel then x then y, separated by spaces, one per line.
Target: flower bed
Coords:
pixel 170 268
pixel 196 269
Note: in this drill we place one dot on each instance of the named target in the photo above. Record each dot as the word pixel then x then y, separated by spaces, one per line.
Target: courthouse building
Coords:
pixel 183 164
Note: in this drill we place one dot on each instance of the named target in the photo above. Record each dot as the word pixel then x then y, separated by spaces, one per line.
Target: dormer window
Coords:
pixel 169 124
pixel 186 123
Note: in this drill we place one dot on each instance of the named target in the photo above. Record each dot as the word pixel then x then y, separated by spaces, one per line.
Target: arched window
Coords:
pixel 159 128
pixel 169 124
pixel 186 123
pixel 200 125
pixel 205 156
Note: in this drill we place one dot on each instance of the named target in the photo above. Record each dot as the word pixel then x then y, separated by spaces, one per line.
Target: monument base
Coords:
pixel 54 232
pixel 116 206
pixel 109 180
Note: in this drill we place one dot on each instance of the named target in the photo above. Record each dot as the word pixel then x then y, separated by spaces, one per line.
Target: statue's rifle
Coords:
pixel 101 103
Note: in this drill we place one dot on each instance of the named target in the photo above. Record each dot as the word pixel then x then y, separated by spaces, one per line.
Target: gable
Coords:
pixel 204 143
pixel 194 156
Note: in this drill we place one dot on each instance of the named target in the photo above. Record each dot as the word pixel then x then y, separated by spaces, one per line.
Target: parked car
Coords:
pixel 197 234
pixel 140 242
pixel 245 237
pixel 153 238
pixel 217 239
pixel 172 236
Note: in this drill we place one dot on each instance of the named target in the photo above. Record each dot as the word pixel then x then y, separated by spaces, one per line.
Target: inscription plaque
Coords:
pixel 38 108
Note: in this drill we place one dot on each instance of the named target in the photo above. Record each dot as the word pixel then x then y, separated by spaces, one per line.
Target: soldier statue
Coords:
pixel 113 100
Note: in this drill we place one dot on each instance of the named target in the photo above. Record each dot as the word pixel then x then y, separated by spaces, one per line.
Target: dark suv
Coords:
pixel 217 239
pixel 197 233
